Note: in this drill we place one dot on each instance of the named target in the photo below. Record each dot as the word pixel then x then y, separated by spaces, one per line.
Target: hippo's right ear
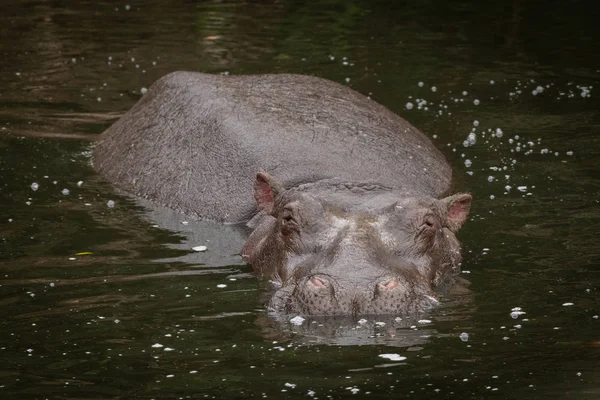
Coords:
pixel 266 189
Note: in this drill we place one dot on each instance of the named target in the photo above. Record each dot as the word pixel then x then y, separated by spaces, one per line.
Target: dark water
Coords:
pixel 88 292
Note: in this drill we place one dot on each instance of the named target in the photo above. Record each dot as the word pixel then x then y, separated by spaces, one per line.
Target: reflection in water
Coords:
pixel 223 243
pixel 338 331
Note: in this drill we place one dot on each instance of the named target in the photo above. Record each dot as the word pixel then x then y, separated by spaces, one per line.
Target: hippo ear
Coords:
pixel 266 189
pixel 458 207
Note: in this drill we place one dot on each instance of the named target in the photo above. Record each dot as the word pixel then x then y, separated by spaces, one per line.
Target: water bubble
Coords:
pixel 468 163
pixel 464 336
pixel 499 132
pixel 434 89
pixel 110 204
pixel 65 192
pixel 490 178
pixel 420 84
pixel 144 90
pixel 472 138
pixel 409 105
pixel 34 186
pixel 475 123
pixel 476 102
pixel 464 93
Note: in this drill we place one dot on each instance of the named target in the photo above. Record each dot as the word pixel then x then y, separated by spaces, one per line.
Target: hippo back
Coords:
pixel 195 141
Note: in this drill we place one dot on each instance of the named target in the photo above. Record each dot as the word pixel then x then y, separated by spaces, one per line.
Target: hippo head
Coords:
pixel 344 249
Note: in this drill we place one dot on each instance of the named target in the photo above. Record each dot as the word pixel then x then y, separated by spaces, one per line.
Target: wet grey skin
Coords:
pixel 338 248
pixel 345 199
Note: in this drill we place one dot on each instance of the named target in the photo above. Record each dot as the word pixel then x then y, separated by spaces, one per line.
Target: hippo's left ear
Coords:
pixel 458 207
pixel 266 189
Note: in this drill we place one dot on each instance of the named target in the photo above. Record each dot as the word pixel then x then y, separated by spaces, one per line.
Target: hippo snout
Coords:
pixel 322 294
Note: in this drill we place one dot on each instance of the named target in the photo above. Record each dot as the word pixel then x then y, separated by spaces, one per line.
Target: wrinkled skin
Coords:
pixel 377 252
pixel 345 210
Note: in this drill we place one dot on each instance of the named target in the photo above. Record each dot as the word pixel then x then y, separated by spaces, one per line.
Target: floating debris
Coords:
pixel 392 357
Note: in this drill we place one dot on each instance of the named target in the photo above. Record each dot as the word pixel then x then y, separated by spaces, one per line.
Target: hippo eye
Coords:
pixel 288 222
pixel 426 232
pixel 288 218
pixel 428 222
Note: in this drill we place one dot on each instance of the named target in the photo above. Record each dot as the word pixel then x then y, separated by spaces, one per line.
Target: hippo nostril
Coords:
pixel 318 282
pixel 390 284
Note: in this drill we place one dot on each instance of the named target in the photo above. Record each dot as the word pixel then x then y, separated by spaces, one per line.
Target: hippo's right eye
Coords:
pixel 288 222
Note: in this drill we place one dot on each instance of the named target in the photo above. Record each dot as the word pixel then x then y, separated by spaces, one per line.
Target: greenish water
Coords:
pixel 88 292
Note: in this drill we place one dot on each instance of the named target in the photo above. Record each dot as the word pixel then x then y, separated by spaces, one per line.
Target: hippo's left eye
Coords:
pixel 428 222
pixel 427 230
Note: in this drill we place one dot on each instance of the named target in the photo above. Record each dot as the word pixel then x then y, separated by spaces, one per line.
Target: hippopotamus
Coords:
pixel 346 203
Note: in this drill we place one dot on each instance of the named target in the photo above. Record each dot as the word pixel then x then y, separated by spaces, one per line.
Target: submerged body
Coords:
pixel 344 210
